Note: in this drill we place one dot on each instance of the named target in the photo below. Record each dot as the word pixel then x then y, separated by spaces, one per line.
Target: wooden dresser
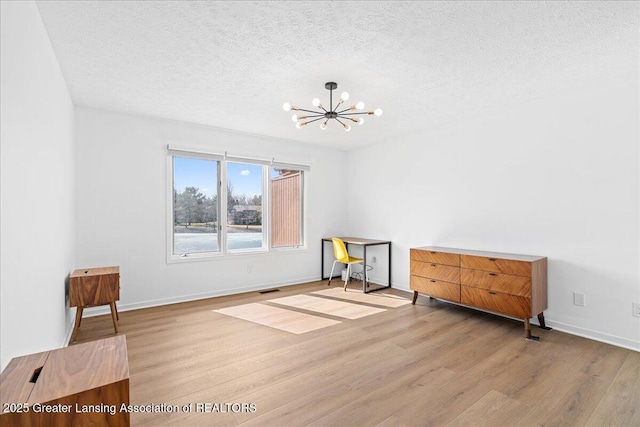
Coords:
pixel 508 284
pixel 90 287
pixel 80 385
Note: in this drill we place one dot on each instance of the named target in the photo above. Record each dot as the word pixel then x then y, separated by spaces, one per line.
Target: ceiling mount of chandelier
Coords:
pixel 340 112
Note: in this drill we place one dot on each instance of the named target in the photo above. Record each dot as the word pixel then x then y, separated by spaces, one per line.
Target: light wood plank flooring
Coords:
pixel 432 364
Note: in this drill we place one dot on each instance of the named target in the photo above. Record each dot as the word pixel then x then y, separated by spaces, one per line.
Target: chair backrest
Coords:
pixel 340 250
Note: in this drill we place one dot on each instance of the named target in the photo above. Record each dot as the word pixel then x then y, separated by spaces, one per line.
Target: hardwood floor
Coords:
pixel 432 364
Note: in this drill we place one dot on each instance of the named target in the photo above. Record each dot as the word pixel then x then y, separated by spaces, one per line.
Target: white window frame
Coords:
pixel 223 251
pixel 191 154
pixel 265 202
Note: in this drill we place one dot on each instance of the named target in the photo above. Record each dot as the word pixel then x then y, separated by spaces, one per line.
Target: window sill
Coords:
pixel 256 253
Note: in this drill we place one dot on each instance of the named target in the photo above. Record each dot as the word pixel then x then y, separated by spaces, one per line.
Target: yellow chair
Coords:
pixel 342 256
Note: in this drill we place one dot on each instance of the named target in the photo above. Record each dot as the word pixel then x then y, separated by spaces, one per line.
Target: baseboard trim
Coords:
pixel 70 324
pixel 595 335
pixel 102 310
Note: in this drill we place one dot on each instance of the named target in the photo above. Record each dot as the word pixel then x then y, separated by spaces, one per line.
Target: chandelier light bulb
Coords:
pixel 360 121
pixel 347 128
pixel 360 105
pixel 378 112
pixel 286 106
pixel 323 125
pixel 299 125
pixel 344 96
pixel 294 117
pixel 315 102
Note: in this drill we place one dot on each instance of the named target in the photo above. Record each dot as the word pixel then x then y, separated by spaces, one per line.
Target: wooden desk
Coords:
pixel 91 375
pixel 90 287
pixel 364 243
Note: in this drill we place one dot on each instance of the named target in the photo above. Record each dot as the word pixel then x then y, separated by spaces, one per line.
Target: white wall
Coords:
pixel 122 208
pixel 38 194
pixel 554 177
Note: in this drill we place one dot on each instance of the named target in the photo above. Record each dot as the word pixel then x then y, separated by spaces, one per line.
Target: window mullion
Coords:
pixel 223 206
pixel 266 206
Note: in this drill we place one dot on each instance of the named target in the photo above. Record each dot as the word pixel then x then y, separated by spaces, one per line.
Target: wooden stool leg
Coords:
pixel 113 316
pixel 116 307
pixel 76 326
pixel 415 297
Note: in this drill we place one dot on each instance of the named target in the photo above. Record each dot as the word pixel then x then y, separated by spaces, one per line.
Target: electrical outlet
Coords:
pixel 374 260
pixel 578 299
pixel 249 268
pixel 636 309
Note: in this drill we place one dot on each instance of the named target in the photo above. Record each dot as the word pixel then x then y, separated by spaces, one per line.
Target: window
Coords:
pixel 195 206
pixel 244 206
pixel 286 207
pixel 261 208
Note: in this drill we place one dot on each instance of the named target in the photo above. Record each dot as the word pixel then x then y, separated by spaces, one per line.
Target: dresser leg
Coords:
pixel 115 306
pixel 527 331
pixel 415 297
pixel 113 316
pixel 76 325
pixel 541 321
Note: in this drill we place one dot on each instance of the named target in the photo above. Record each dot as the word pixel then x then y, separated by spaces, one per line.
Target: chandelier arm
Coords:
pixel 308 111
pixel 315 120
pixel 353 114
pixel 311 115
pixel 342 111
pixel 336 119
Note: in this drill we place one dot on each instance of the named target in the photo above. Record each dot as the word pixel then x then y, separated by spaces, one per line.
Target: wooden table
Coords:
pixel 90 287
pixel 52 388
pixel 364 243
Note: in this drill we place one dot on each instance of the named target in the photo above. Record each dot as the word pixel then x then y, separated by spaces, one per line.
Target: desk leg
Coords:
pixel 389 264
pixel 322 260
pixel 116 308
pixel 113 316
pixel 364 268
pixel 76 326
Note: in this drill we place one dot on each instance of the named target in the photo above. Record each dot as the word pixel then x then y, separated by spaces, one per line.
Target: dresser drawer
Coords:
pixel 435 271
pixel 497 265
pixel 435 288
pixel 511 305
pixel 498 282
pixel 435 257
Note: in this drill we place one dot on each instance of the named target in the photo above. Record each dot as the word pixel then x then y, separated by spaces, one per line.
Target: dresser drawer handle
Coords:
pixel 433 252
pixel 492 274
pixel 492 293
pixel 433 265
pixel 492 259
pixel 433 281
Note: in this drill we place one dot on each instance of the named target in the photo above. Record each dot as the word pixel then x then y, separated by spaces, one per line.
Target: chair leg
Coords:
pixel 346 280
pixel 331 275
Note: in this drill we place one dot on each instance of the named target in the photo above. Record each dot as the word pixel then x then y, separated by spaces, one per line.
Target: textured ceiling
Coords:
pixel 233 64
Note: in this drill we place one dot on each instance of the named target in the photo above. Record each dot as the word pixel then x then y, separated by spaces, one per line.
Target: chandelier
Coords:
pixel 342 116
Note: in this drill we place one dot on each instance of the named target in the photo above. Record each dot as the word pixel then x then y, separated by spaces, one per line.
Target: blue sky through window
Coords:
pixel 199 173
pixel 246 178
pixel 203 174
